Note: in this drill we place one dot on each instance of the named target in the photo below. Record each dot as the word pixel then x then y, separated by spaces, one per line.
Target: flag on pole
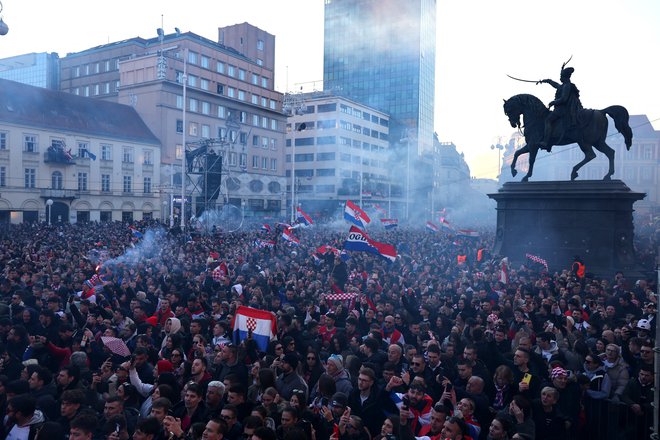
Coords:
pixel 359 241
pixel 354 214
pixel 302 217
pixel 389 223
pixel 261 323
pixel 259 243
pixel 504 271
pixel 468 233
pixel 432 227
pixel 287 234
pixel 86 152
pixel 445 225
pixel 265 227
pixel 135 232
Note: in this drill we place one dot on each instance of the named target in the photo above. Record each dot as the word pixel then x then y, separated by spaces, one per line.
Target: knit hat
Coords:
pixel 557 372
pixel 291 359
pixel 337 360
pixel 164 366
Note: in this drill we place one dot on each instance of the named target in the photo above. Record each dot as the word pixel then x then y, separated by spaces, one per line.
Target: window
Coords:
pixel 76 71
pixel 264 163
pixel 82 181
pixel 255 99
pixel 220 67
pixel 255 79
pixel 260 62
pixel 255 140
pixel 242 160
pixel 206 107
pixel 30 143
pixel 242 138
pixel 56 180
pixel 255 161
pixel 86 91
pixel 231 71
pixel 264 102
pixel 127 155
pixel 178 151
pixel 117 86
pixel 179 77
pixel 264 82
pixel 326 108
pixel 86 69
pixel 325 188
pixel 232 159
pixel 206 131
pixel 106 152
pixel 222 133
pixel 273 164
pixel 192 81
pixel 231 92
pixel 264 122
pixel 179 101
pixel 241 95
pixel 192 57
pixel 106 88
pixel 273 144
pixel 241 74
pixel 260 44
pixel 272 104
pixel 105 182
pixel 325 172
pixel 97 89
pixel 30 177
pixel 222 112
pixel 325 156
pixel 147 185
pixel 192 105
pixel 148 157
pixel 204 61
pixel 3 176
pixel 204 84
pixel 128 184
pixel 3 140
pixel 83 148
pixel 192 129
pixel 273 124
pixel 107 65
pixel 255 120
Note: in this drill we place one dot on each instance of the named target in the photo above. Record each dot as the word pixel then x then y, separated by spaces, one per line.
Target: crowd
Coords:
pixel 435 345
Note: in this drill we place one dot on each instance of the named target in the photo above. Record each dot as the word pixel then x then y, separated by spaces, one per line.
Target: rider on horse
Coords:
pixel 567 105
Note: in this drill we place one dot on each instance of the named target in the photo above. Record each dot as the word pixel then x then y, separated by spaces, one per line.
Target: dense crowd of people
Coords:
pixel 436 345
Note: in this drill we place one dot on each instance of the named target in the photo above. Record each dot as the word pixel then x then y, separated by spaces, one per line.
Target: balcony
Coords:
pixel 68 194
pixel 59 157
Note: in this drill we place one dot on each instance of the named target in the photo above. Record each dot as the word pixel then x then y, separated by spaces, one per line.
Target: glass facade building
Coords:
pixel 382 53
pixel 33 69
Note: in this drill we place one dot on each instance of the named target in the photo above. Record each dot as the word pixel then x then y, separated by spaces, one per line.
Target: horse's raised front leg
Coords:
pixel 524 149
pixel 589 155
pixel 532 159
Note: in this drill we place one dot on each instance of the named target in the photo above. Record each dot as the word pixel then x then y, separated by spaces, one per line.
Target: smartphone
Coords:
pixel 449 387
pixel 335 430
pixel 527 378
pixel 406 401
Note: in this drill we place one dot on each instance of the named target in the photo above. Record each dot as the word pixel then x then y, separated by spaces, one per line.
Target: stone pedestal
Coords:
pixel 559 220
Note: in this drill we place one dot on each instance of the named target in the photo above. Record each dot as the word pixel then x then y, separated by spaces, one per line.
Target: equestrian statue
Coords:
pixel 568 123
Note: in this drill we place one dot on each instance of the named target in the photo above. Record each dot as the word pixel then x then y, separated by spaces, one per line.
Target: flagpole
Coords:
pixel 183 155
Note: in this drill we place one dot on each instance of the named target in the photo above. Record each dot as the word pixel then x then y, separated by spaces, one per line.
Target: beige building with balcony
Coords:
pixel 66 158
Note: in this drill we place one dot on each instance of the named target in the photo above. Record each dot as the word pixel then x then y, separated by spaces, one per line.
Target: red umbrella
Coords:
pixel 116 346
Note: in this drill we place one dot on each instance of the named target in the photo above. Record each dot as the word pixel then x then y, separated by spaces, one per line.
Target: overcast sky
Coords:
pixel 614 44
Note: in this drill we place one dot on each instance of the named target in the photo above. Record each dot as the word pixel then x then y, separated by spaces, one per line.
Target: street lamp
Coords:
pixel 164 217
pixel 49 203
pixel 500 147
pixel 3 26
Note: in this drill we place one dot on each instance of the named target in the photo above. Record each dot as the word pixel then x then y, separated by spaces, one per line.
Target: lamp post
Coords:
pixel 49 204
pixel 499 147
pixel 184 79
pixel 164 217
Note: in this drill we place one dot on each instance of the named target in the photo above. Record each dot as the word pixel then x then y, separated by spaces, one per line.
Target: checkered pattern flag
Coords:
pixel 538 260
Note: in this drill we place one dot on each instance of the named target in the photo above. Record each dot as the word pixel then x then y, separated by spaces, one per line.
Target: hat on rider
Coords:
pixel 567 71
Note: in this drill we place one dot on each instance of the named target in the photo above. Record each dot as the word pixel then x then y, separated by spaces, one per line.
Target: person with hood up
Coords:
pixel 172 326
pixel 335 368
pixel 547 347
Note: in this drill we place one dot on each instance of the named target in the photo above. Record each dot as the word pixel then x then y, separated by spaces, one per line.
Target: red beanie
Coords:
pixel 164 366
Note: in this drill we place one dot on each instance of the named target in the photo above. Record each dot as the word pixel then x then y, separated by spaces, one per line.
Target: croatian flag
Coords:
pixel 265 227
pixel 287 234
pixel 469 233
pixel 379 209
pixel 445 225
pixel 389 223
pixel 302 217
pixel 432 227
pixel 322 250
pixel 135 232
pixel 355 215
pixel 359 241
pixel 264 243
pixel 262 324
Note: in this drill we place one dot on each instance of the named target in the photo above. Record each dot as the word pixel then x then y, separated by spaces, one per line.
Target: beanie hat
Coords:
pixel 339 399
pixel 557 372
pixel 337 360
pixel 164 366
pixel 291 359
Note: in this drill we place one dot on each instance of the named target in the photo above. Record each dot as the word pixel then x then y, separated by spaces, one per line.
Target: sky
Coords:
pixel 614 46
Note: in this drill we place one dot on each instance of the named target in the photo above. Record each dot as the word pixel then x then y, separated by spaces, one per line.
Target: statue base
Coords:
pixel 557 221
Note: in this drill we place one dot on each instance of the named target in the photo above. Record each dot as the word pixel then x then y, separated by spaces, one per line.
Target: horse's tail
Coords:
pixel 620 116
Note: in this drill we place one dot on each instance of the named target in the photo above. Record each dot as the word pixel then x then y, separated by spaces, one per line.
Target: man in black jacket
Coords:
pixel 369 402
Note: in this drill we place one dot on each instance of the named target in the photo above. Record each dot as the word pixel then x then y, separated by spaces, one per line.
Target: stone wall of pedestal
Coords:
pixel 559 220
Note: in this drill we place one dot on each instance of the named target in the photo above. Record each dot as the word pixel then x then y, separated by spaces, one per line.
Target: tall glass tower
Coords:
pixel 382 53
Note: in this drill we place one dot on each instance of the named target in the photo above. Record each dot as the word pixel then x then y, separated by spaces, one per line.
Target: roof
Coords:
pixel 58 111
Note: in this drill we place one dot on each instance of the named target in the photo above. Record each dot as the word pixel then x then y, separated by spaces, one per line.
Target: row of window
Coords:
pixel 332 107
pixel 95 68
pixel 57 181
pixel 83 149
pixel 97 89
pixel 228 135
pixel 205 62
pixel 222 112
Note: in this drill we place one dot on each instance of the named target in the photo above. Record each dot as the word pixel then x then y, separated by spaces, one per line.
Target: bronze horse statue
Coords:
pixel 590 132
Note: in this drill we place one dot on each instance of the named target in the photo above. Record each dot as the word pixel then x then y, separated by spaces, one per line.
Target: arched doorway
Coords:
pixel 59 213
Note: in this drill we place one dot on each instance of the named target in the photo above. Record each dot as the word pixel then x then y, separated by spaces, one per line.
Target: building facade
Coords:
pixel 338 150
pixel 65 158
pixel 34 69
pixel 382 53
pixel 230 106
